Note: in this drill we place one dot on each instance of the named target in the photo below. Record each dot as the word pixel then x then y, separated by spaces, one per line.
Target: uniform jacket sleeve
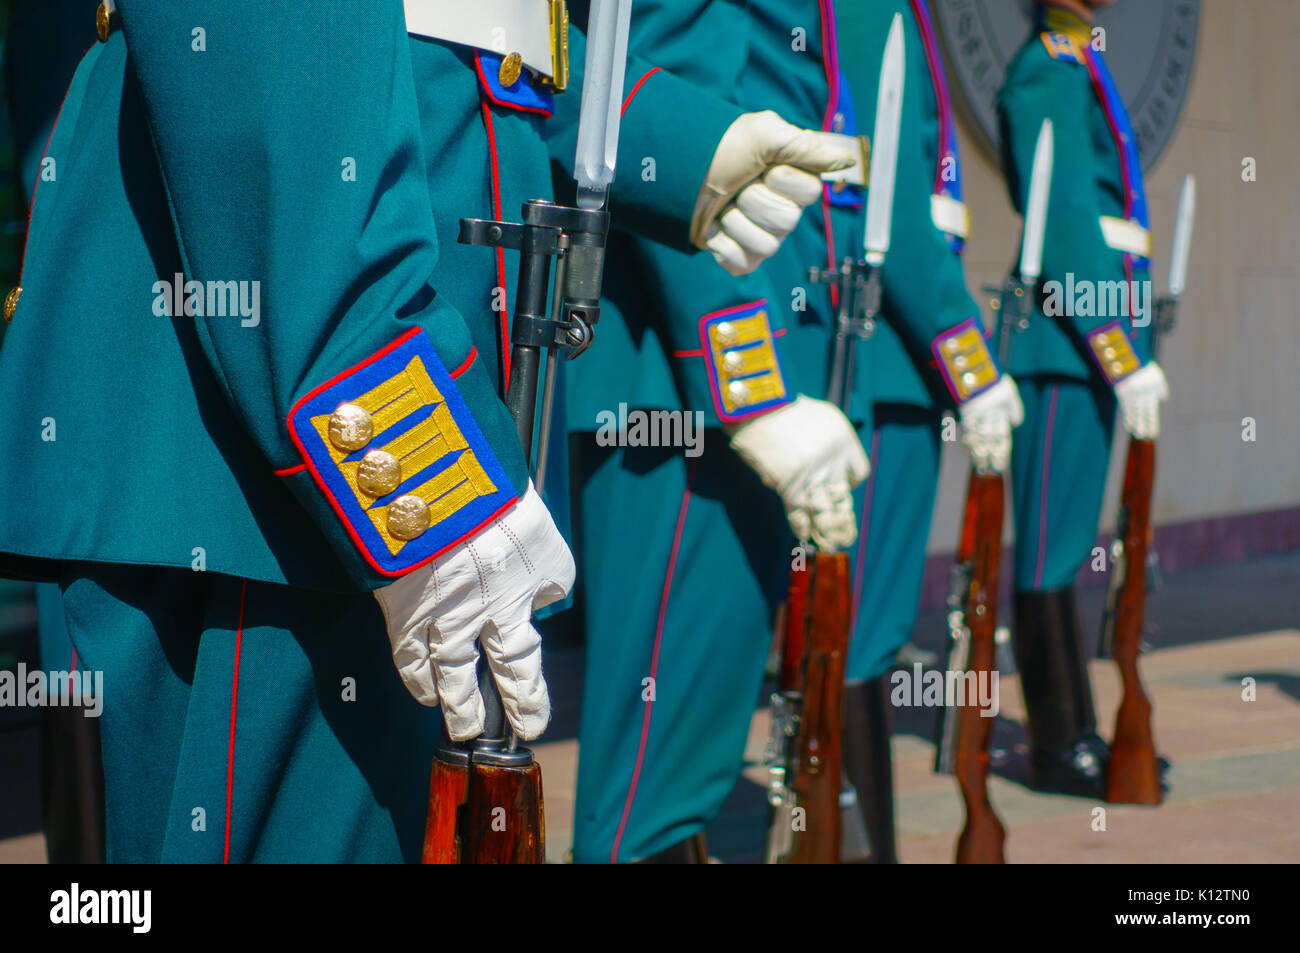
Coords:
pixel 669 132
pixel 258 111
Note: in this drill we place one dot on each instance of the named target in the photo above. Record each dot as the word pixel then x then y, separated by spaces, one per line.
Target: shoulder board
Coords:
pixel 1060 46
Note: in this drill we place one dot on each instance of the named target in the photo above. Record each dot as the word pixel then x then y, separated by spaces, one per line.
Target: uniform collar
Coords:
pixel 1056 19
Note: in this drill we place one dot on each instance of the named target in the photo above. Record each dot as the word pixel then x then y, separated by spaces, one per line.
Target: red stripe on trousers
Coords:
pixel 654 663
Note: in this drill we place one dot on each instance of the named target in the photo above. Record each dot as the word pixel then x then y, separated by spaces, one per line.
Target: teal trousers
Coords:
pixel 245 721
pixel 1059 461
pixel 894 508
pixel 684 562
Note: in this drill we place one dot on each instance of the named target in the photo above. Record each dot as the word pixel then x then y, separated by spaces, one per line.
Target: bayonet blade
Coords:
pixel 1182 238
pixel 602 100
pixel 884 145
pixel 1040 189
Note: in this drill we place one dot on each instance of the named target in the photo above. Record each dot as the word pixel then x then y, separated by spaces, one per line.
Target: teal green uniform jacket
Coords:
pixel 362 190
pixel 1050 78
pixel 344 270
pixel 1068 359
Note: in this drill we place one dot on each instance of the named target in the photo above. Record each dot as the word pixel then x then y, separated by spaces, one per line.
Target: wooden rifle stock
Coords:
pixel 484 814
pixel 1134 773
pixel 814 653
pixel 980 548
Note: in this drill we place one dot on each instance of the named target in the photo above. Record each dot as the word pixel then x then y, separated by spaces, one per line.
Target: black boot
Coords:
pixel 867 763
pixel 689 851
pixel 1066 754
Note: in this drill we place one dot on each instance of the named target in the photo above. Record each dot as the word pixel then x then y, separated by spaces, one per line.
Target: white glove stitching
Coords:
pixel 519 547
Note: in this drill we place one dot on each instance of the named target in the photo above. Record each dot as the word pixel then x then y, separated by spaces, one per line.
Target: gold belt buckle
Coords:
pixel 559 45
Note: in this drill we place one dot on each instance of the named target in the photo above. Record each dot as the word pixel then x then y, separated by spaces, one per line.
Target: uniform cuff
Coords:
pixel 740 355
pixel 392 445
pixel 1113 352
pixel 964 360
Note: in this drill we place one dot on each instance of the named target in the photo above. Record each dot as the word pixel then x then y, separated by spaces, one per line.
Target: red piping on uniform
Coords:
pixel 31 206
pixel 830 63
pixel 698 352
pixel 73 664
pixel 501 252
pixel 859 558
pixel 487 91
pixel 944 104
pixel 654 663
pixel 355 367
pixel 1042 493
pixel 329 496
pixel 1099 89
pixel 637 88
pixel 1122 147
pixel 234 701
pixel 464 365
pixel 290 471
pixel 830 249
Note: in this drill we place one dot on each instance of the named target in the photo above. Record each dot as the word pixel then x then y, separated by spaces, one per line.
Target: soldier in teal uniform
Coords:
pixel 223 461
pixel 1079 357
pixel 928 354
pixel 267 424
pixel 677 638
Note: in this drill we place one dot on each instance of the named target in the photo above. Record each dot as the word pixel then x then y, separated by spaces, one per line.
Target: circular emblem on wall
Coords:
pixel 1150 49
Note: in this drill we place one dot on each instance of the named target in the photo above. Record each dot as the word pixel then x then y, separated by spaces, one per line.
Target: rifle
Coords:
pixel 1134 773
pixel 804 767
pixel 972 621
pixel 1133 776
pixel 963 741
pixel 473 782
pixel 806 715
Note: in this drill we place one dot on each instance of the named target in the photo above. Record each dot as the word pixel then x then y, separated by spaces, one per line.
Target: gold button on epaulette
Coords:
pixel 11 302
pixel 379 473
pixel 104 19
pixel 408 517
pixel 350 428
pixel 511 67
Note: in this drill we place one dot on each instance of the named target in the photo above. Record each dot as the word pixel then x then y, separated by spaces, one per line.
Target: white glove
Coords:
pixel 810 454
pixel 764 173
pixel 485 588
pixel 1139 396
pixel 986 422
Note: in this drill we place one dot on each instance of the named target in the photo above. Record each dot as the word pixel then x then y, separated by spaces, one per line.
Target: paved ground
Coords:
pixel 1236 763
pixel 1235 781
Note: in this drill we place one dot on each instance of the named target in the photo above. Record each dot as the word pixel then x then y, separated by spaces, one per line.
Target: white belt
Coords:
pixel 950 216
pixel 536 30
pixel 1125 235
pixel 855 174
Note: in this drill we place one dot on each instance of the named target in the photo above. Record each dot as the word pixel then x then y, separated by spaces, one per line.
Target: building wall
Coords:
pixel 1236 352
